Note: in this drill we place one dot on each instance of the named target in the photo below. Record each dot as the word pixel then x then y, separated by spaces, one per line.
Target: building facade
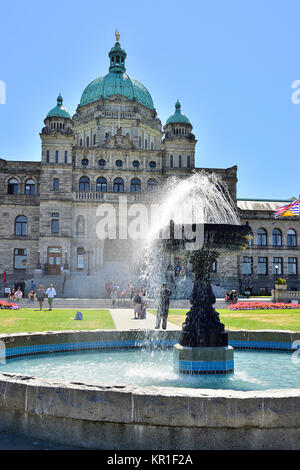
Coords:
pixel 115 143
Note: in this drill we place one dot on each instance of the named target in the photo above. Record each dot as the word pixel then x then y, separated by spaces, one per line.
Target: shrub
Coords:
pixel 281 281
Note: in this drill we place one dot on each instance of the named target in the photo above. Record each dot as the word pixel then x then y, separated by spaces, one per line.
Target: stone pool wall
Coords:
pixel 103 416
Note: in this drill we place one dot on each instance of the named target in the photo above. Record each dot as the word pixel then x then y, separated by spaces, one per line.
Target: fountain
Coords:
pixel 203 346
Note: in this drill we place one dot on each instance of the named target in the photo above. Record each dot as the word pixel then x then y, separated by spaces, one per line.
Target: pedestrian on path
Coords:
pixel 137 303
pixel 51 293
pixel 114 296
pixel 163 307
pixel 41 294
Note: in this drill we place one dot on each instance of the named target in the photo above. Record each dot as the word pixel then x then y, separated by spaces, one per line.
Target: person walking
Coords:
pixel 41 294
pixel 51 293
pixel 163 307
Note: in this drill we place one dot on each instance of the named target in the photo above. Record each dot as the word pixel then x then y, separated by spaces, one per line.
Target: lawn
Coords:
pixel 249 320
pixel 31 319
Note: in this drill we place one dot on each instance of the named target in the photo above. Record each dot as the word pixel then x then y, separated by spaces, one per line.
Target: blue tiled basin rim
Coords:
pixel 27 344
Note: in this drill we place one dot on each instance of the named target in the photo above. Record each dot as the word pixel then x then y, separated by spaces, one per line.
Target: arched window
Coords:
pixel 152 164
pixel 84 162
pixel 80 142
pixel 118 185
pixel 276 237
pixel 21 226
pixel 101 184
pixel 262 238
pixel 135 185
pixel 146 143
pixel 80 225
pixel 102 162
pixel 135 163
pixel 87 141
pixel 84 184
pixel 119 163
pixel 94 139
pixel 152 185
pixel 291 238
pixel 13 186
pixel 30 187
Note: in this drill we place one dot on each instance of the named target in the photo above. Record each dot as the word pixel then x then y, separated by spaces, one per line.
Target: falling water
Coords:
pixel 201 198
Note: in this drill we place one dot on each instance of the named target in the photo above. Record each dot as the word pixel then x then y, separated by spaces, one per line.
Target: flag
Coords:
pixel 288 210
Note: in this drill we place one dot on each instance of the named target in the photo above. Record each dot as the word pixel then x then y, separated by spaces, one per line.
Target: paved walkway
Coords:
pixel 124 320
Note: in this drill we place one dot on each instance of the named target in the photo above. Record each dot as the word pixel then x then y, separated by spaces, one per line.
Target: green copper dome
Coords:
pixel 116 82
pixel 178 117
pixel 59 110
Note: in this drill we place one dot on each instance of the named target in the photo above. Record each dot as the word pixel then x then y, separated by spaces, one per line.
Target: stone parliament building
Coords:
pixel 115 143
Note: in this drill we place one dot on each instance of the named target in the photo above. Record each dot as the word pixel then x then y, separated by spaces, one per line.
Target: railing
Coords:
pixel 273 247
pixel 114 197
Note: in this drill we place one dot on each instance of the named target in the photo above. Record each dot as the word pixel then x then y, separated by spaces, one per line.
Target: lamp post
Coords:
pixel 66 266
pixel 38 264
pixel 276 270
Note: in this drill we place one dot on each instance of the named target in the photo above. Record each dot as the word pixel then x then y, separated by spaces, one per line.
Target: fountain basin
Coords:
pixel 195 361
pixel 110 416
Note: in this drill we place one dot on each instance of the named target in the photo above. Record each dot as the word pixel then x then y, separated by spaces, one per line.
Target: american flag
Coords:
pixel 288 210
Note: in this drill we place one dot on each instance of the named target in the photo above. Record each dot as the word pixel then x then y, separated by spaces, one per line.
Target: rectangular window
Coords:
pixel 247 265
pixel 48 156
pixel 188 161
pixel 179 161
pixel 80 258
pixel 262 265
pixel 66 157
pixel 20 258
pixel 171 161
pixel 56 156
pixel 292 266
pixel 55 223
pixel 55 184
pixel 277 266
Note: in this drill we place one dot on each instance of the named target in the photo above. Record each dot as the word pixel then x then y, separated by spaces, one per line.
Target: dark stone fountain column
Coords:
pixel 203 345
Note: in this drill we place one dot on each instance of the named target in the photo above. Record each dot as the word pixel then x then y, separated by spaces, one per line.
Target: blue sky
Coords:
pixel 231 64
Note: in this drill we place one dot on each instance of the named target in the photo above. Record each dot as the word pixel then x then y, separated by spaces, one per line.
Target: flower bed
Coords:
pixel 261 306
pixel 8 305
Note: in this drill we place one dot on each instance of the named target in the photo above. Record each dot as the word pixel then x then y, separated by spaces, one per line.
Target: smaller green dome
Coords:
pixel 59 110
pixel 178 117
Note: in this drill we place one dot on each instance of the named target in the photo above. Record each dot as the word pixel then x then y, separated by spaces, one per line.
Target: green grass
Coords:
pixel 249 320
pixel 31 319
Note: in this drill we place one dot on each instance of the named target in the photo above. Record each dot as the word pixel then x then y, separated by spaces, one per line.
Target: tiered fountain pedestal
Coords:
pixel 203 346
pixel 188 360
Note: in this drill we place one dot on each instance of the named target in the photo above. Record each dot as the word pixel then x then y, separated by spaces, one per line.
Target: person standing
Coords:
pixel 108 289
pixel 144 303
pixel 114 295
pixel 137 303
pixel 41 294
pixel 163 307
pixel 33 285
pixel 51 293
